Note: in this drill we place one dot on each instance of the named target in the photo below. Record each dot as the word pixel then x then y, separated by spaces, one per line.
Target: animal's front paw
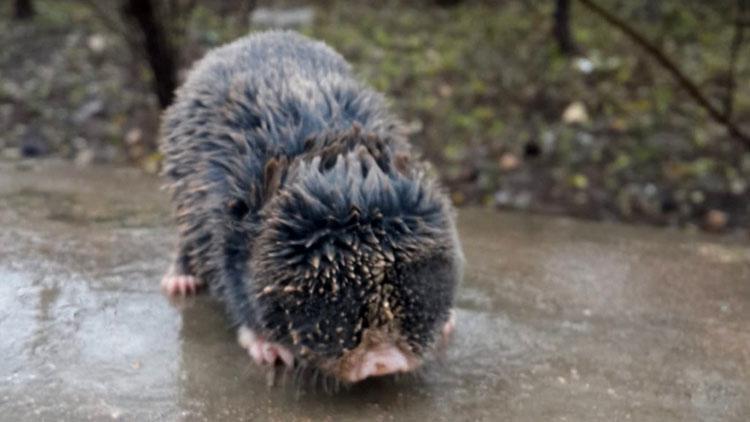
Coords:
pixel 262 351
pixel 173 284
pixel 446 332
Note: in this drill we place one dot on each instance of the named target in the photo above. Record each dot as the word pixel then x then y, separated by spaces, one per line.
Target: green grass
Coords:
pixel 483 80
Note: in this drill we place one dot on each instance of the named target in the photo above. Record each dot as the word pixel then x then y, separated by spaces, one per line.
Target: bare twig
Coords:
pixel 734 51
pixel 683 80
pixel 561 29
pixel 113 24
pixel 24 10
pixel 161 56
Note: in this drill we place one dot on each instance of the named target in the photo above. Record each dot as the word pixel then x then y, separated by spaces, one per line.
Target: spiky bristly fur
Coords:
pixel 300 204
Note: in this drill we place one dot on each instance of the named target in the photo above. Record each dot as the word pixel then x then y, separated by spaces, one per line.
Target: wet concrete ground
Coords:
pixel 557 320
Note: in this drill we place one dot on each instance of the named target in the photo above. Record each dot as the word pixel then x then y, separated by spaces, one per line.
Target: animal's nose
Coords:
pixel 381 361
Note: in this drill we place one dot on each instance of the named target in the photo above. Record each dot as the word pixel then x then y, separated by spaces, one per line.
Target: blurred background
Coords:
pixel 635 111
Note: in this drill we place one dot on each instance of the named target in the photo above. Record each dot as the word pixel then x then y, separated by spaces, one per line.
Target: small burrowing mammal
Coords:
pixel 301 206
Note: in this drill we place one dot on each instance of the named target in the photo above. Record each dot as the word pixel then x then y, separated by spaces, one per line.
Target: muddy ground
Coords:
pixel 557 320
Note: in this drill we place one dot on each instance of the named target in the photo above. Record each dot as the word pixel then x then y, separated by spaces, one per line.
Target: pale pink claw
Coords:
pixel 181 285
pixel 449 326
pixel 263 352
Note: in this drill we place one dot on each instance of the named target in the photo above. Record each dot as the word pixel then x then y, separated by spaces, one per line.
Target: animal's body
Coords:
pixel 299 203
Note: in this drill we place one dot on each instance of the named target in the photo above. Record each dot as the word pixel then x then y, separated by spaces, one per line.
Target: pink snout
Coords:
pixel 381 361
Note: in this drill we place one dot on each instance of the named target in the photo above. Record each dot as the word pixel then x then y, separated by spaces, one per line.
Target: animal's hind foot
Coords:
pixel 180 284
pixel 262 351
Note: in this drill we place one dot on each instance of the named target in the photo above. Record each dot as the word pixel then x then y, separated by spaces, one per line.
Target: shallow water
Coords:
pixel 557 320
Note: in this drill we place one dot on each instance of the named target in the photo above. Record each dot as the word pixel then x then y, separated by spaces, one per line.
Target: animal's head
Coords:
pixel 357 261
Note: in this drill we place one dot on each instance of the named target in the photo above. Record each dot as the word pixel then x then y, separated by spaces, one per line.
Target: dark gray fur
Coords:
pixel 299 203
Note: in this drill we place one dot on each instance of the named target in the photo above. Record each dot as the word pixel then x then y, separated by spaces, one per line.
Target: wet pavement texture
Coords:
pixel 557 320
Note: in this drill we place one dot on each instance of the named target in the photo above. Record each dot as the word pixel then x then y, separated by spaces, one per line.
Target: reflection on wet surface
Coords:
pixel 557 320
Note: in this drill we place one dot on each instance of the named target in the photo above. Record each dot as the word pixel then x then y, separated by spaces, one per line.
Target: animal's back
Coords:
pixel 276 88
pixel 244 103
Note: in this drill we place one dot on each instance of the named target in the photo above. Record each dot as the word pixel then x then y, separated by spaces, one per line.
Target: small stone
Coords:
pixel 445 90
pixel 697 197
pixel 85 157
pixel 502 198
pixel 584 65
pixel 413 127
pixel 88 110
pixel 575 113
pixel 509 162
pixel 97 43
pixel 738 186
pixel 716 220
pixel 134 136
